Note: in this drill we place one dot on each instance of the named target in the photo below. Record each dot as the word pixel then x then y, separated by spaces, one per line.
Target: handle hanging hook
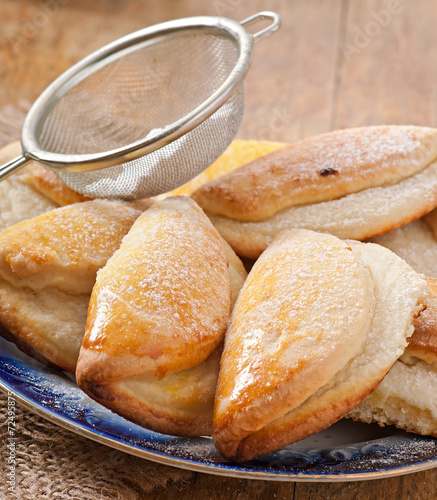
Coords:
pixel 261 16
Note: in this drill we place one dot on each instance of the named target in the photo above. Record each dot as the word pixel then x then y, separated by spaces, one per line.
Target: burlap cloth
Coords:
pixel 52 463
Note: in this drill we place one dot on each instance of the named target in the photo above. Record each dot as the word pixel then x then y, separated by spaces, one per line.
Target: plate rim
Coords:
pixel 227 469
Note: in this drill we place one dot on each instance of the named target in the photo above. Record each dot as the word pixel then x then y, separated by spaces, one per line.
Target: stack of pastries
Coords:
pixel 257 307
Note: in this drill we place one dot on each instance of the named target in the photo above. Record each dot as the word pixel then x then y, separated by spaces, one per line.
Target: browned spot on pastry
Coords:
pixel 328 171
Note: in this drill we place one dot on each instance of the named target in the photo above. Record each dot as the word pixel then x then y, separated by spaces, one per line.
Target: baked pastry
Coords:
pixel 18 200
pixel 354 183
pixel 423 343
pixel 416 243
pixel 47 183
pixel 31 191
pixel 317 325
pixel 406 397
pixel 157 317
pixel 48 266
pixel 179 403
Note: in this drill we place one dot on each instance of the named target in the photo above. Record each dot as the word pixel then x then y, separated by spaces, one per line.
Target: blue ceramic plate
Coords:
pixel 347 451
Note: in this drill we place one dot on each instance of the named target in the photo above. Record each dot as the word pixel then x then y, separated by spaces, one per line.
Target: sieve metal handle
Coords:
pixel 9 168
pixel 262 16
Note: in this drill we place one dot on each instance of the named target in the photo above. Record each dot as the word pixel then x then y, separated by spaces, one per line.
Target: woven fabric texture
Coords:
pixel 53 463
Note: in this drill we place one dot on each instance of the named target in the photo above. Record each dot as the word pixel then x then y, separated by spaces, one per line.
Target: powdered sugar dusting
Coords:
pixel 320 168
pixel 297 309
pixel 65 247
pixel 381 147
pixel 167 287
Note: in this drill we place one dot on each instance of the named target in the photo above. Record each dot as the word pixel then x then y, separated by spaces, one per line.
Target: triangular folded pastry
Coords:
pixel 317 325
pixel 353 183
pixel 48 267
pixel 180 403
pixel 157 318
pixel 407 397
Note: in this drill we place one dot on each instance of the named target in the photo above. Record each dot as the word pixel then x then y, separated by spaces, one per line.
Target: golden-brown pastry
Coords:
pixel 354 183
pixel 50 185
pixel 48 266
pixel 179 403
pixel 317 325
pixel 164 291
pixel 31 191
pixel 157 317
pixel 423 343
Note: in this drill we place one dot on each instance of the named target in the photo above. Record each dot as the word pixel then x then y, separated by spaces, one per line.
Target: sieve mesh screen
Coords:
pixel 148 89
pixel 167 167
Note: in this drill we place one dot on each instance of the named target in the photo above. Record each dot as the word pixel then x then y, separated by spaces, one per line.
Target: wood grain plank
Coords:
pixel 422 485
pixel 388 69
pixel 288 89
pixel 208 487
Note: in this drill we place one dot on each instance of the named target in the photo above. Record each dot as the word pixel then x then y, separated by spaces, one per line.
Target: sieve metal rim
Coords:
pixel 152 34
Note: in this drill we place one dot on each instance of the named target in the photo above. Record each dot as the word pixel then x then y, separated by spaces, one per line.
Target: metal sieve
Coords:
pixel 146 113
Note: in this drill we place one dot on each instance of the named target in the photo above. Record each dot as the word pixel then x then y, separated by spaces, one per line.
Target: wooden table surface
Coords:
pixel 333 64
